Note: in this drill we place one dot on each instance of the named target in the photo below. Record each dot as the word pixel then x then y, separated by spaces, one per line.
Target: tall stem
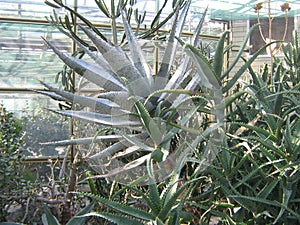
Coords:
pixel 259 28
pixel 66 209
pixel 285 7
pixel 113 23
pixel 286 25
pixel 156 49
pixel 270 38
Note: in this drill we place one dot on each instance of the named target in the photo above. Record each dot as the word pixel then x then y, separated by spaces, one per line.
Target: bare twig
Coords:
pixel 26 210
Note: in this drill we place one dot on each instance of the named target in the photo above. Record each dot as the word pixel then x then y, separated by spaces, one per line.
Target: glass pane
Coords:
pixel 25 58
pixel 28 9
pixel 90 10
pixel 44 126
pixel 256 41
pixel 26 103
pixel 39 124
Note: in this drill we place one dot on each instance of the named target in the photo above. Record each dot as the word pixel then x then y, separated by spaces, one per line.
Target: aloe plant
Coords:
pixel 161 204
pixel 49 219
pixel 147 112
pixel 153 117
pixel 255 177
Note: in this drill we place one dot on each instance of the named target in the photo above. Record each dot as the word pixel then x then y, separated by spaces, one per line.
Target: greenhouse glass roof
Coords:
pixel 218 9
pixel 243 9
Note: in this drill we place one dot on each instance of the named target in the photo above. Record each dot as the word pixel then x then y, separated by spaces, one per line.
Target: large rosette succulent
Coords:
pixel 153 122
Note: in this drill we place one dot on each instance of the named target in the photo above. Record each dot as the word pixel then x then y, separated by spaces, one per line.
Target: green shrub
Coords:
pixel 11 160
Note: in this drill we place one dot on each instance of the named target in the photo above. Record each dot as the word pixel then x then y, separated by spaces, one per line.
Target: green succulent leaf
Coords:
pixel 117 219
pixel 101 105
pixel 79 218
pixel 11 223
pixel 205 71
pixel 264 201
pixel 230 99
pixel 196 35
pixel 154 197
pixel 52 5
pixel 171 196
pixel 48 218
pixel 87 140
pixel 102 6
pixel 258 130
pixel 116 58
pixel 129 210
pixel 243 68
pixel 137 142
pixel 219 56
pixel 240 52
pixel 268 189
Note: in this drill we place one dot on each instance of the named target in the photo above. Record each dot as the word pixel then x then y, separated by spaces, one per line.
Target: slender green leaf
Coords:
pixel 267 202
pixel 49 218
pixel 11 223
pixel 171 201
pixel 268 189
pixel 255 171
pixel 204 69
pixel 125 168
pixel 158 221
pixel 51 95
pixel 154 197
pixel 219 56
pixel 155 21
pixel 170 51
pixel 129 210
pixel 117 219
pixel 230 99
pixel 82 18
pixel 258 130
pixel 52 5
pixel 101 105
pixel 102 6
pixel 138 143
pixel 83 141
pixel 78 219
pixel 196 35
pixel 158 26
pixel 243 68
pixel 240 52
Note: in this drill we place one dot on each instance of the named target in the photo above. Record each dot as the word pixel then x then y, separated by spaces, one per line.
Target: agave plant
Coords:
pixel 153 119
pixel 150 116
